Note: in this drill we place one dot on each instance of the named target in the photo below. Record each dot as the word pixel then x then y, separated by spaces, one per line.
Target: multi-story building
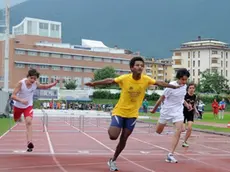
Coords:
pixel 37 44
pixel 200 55
pixel 149 66
pixel 159 69
pixel 163 70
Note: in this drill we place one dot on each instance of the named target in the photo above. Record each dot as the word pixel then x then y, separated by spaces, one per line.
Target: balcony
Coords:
pixel 215 56
pixel 215 65
pixel 160 74
pixel 177 57
pixel 149 73
pixel 177 66
pixel 160 68
pixel 147 67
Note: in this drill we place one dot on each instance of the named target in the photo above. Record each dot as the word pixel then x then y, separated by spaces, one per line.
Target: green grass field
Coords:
pixel 4 125
pixel 207 108
pixel 207 118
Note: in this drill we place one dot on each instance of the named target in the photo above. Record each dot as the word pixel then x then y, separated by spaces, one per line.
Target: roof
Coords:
pixel 92 43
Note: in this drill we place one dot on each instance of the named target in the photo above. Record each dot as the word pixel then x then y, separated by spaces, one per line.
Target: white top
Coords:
pixel 25 94
pixel 174 99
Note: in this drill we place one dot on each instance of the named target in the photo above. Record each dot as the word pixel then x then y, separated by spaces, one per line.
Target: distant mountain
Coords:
pixel 152 27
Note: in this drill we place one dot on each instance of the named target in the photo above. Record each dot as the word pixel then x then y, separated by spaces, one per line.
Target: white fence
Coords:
pixel 4 103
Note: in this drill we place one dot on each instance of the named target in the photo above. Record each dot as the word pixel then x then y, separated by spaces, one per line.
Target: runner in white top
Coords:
pixel 172 109
pixel 23 101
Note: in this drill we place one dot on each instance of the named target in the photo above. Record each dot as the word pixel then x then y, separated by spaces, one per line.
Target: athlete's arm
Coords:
pixel 159 101
pixel 46 86
pixel 165 84
pixel 188 105
pixel 101 82
pixel 196 108
pixel 15 92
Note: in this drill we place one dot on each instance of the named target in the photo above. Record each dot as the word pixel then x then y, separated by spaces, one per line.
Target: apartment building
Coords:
pixel 200 55
pixel 36 43
pixel 159 69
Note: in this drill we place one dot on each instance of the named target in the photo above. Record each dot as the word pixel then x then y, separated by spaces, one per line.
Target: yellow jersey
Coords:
pixel 132 95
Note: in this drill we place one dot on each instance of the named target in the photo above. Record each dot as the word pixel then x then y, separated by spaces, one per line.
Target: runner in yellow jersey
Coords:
pixel 133 87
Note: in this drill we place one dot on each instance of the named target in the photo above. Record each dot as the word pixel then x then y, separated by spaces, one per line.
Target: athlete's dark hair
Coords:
pixel 191 84
pixel 134 59
pixel 33 72
pixel 182 72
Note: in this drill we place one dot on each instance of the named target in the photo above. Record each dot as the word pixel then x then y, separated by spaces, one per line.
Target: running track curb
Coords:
pixel 195 129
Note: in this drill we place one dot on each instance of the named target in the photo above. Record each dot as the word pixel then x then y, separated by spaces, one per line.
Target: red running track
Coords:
pixel 89 151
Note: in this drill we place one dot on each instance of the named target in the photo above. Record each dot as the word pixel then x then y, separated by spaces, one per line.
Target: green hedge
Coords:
pixel 108 95
pixel 105 95
pixel 209 98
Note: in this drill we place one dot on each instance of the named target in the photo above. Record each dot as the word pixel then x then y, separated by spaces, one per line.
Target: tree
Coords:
pixel 213 82
pixel 106 72
pixel 71 85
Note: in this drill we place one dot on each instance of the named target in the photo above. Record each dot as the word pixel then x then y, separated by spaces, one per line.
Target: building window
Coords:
pixel 198 72
pixel 54 78
pixel 222 54
pixel 189 55
pixel 20 52
pixel 56 68
pixel 86 79
pixel 43 29
pixel 88 70
pixel 43 79
pixel 87 58
pixel 226 63
pixel 32 53
pixel 193 63
pixel 78 81
pixel 19 65
pixel 44 54
pixel 44 67
pixel 43 26
pixel 193 71
pixel 55 31
pixel 67 68
pixel 188 63
pixel 198 63
pixel 125 62
pixel 77 57
pixel 65 56
pixel 198 54
pixel 221 63
pixel 194 54
pixel 226 73
pixel 116 61
pixel 76 69
pixel 32 27
pixel 107 60
pixel 54 27
pixel 214 61
pixel 226 55
pixel 55 55
pixel 221 72
pixel 214 52
pixel 66 79
pixel 198 80
pixel 97 59
pixel 32 66
pixel 214 70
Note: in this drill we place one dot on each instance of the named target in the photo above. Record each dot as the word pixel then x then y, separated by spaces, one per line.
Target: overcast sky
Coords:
pixel 12 2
